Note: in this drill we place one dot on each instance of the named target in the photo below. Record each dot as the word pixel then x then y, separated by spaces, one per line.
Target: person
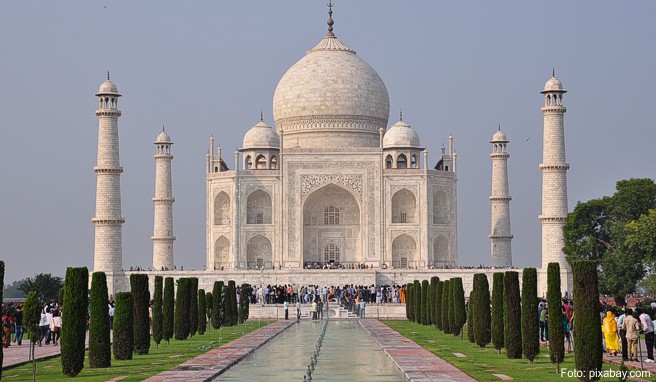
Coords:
pixel 648 328
pixel 18 322
pixel 111 315
pixel 632 327
pixel 44 326
pixel 620 326
pixel 55 327
pixel 298 310
pixel 6 330
pixel 286 306
pixel 362 306
pixel 544 331
pixel 609 328
pixel 314 310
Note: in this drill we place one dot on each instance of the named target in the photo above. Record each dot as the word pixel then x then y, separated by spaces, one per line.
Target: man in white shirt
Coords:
pixel 648 329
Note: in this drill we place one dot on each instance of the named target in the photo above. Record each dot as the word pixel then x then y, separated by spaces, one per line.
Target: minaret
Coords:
pixel 500 233
pixel 108 246
pixel 163 226
pixel 554 180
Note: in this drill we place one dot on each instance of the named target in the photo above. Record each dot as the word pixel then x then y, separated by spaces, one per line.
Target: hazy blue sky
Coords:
pixel 207 67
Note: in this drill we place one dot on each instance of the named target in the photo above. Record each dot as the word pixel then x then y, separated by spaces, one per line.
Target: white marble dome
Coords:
pixel 553 84
pixel 163 137
pixel 400 135
pixel 331 98
pixel 499 136
pixel 261 136
pixel 108 87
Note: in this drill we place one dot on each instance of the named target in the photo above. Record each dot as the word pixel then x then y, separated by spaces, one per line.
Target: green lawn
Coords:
pixel 481 364
pixel 141 366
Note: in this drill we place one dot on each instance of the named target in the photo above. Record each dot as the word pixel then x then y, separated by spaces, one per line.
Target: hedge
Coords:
pixel 512 315
pixel 100 347
pixel 438 305
pixel 243 303
pixel 32 316
pixel 433 299
pixel 425 309
pixel 217 305
pixel 202 312
pixel 458 306
pixel 470 318
pixel 497 311
pixel 530 318
pixel 409 308
pixel 556 335
pixel 209 304
pixel 193 306
pixel 74 320
pixel 482 314
pixel 417 301
pixel 446 306
pixel 168 310
pixel 182 306
pixel 231 304
pixel 123 326
pixel 158 311
pixel 140 303
pixel 587 324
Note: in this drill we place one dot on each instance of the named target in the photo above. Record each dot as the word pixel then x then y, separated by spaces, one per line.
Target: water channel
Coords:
pixel 348 353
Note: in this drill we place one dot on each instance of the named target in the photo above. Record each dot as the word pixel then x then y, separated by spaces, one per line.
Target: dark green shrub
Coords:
pixel 470 318
pixel 140 303
pixel 556 335
pixel 497 311
pixel 123 326
pixel 587 322
pixel 209 304
pixel 182 306
pixel 230 302
pixel 74 320
pixel 482 313
pixel 530 318
pixel 202 311
pixel 158 315
pixel 243 303
pixel 409 308
pixel 425 312
pixel 433 299
pixel 100 347
pixel 512 315
pixel 458 306
pixel 168 311
pixel 438 305
pixel 416 302
pixel 60 295
pixel 446 306
pixel 32 316
pixel 193 305
pixel 217 305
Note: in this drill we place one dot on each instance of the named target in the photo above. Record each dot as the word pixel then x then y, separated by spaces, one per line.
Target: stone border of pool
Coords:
pixel 416 363
pixel 215 362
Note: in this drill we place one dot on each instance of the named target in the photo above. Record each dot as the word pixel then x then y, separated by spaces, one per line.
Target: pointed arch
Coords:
pixel 413 161
pixel 402 161
pixel 441 213
pixel 389 162
pixel 274 163
pixel 221 209
pixel 222 253
pixel 261 162
pixel 441 251
pixel 404 207
pixel 258 252
pixel 404 251
pixel 248 162
pixel 258 208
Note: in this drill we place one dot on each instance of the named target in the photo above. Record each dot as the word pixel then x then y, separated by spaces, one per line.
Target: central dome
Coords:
pixel 331 98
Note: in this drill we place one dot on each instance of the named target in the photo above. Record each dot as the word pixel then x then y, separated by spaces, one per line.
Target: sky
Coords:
pixel 208 67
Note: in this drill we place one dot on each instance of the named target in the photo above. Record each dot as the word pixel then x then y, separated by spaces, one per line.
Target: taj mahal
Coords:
pixel 331 183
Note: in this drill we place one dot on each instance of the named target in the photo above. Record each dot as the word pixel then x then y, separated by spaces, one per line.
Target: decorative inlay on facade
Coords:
pixel 251 234
pixel 311 182
pixel 412 188
pixel 357 150
pixel 410 232
pixel 341 122
pixel 247 189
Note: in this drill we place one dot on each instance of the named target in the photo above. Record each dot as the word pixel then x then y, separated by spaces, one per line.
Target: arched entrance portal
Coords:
pixel 331 227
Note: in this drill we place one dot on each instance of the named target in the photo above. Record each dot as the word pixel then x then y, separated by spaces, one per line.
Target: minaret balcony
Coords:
pixel 554 167
pixel 163 200
pixel 500 198
pixel 108 113
pixel 163 156
pixel 552 219
pixel 99 221
pixel 163 239
pixel 502 237
pixel 103 170
pixel 553 109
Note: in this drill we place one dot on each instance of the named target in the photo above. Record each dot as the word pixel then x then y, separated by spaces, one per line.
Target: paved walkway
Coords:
pixel 417 363
pixel 16 355
pixel 207 366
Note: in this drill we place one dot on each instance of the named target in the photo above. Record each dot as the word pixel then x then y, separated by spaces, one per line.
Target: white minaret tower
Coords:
pixel 554 181
pixel 163 227
pixel 500 234
pixel 108 247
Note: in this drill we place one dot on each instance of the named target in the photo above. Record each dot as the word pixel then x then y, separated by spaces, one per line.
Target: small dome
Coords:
pixel 553 84
pixel 108 87
pixel 163 138
pixel 261 136
pixel 400 135
pixel 499 136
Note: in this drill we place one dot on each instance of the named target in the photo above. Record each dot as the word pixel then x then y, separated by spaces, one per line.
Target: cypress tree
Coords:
pixel 182 305
pixel 202 312
pixel 217 305
pixel 512 315
pixel 193 306
pixel 123 326
pixel 168 311
pixel 458 301
pixel 32 316
pixel 446 306
pixel 438 305
pixel 530 319
pixel 60 295
pixel 243 304
pixel 587 324
pixel 433 298
pixel 100 347
pixel 470 318
pixel 158 324
pixel 140 303
pixel 74 320
pixel 417 301
pixel 425 312
pixel 482 312
pixel 209 303
pixel 556 335
pixel 234 310
pixel 452 318
pixel 497 311
pixel 2 284
pixel 409 309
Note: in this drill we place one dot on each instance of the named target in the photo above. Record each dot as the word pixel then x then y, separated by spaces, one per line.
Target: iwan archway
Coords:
pixel 332 227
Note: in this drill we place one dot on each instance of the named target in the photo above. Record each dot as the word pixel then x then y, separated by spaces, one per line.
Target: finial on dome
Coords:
pixel 108 75
pixel 553 72
pixel 330 18
pixel 401 115
pixel 261 116
pixel 499 129
pixel 163 130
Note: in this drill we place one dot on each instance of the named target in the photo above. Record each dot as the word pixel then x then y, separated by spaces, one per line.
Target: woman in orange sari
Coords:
pixel 402 293
pixel 609 328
